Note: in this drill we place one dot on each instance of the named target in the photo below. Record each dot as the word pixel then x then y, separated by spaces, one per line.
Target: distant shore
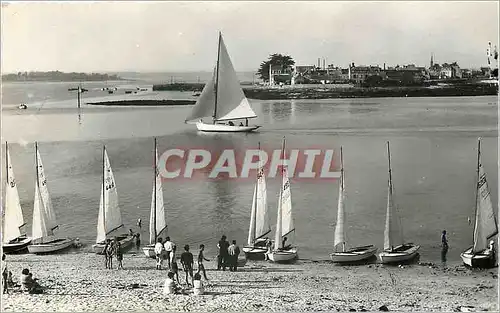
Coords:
pixel 79 282
pixel 137 102
pixel 327 92
pixel 57 76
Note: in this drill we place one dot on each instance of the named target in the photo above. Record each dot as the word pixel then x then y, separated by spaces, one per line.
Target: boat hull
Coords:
pixel 255 253
pixel 483 259
pixel 399 254
pixel 51 247
pixel 284 256
pixel 124 240
pixel 149 251
pixel 354 255
pixel 225 128
pixel 17 245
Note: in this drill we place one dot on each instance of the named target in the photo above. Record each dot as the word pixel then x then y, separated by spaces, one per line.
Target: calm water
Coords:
pixel 433 142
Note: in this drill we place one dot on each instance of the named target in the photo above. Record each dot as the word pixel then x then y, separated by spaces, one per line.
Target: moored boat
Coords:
pixel 482 253
pixel 259 219
pixel 284 226
pixel 223 99
pixel 353 254
pixel 13 240
pixel 44 218
pixel 109 221
pixel 157 223
pixel 395 249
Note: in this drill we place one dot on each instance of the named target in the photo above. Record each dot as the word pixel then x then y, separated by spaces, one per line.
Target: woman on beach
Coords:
pixel 198 285
pixel 201 258
pixel 30 284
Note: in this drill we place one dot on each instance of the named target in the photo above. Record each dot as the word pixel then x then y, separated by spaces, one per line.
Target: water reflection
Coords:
pixel 363 107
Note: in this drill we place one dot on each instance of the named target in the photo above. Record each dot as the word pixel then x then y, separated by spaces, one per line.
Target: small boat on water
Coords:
pixel 13 240
pixel 22 106
pixel 395 249
pixel 284 225
pixel 157 223
pixel 223 99
pixel 109 221
pixel 259 219
pixel 481 255
pixel 354 254
pixel 44 217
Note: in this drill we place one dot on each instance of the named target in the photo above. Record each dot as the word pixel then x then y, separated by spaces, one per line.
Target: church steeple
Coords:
pixel 432 59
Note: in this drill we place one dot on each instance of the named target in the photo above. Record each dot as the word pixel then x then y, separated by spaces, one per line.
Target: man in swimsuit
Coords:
pixel 187 263
pixel 201 258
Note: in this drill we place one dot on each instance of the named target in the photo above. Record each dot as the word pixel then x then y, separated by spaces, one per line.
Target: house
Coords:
pixel 450 71
pixel 360 73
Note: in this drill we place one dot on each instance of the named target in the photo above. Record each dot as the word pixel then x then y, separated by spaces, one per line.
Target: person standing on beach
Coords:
pixel 105 252
pixel 222 257
pixel 233 252
pixel 110 251
pixel 187 263
pixel 201 258
pixel 444 246
pixel 159 252
pixel 119 255
pixel 137 241
pixel 4 275
pixel 168 245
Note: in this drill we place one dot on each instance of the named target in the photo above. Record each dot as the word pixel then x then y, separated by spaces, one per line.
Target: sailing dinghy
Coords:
pixel 223 99
pixel 44 217
pixel 354 254
pixel 485 227
pixel 157 223
pixel 284 224
pixel 259 219
pixel 395 249
pixel 110 218
pixel 13 240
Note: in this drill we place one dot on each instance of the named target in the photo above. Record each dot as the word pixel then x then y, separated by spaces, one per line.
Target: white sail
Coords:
pixel 13 218
pixel 286 205
pixel 157 222
pixel 110 217
pixel 205 105
pixel 259 221
pixel 278 244
pixel 339 227
pixel 392 234
pixel 485 226
pixel 44 191
pixel 231 102
pixel 40 228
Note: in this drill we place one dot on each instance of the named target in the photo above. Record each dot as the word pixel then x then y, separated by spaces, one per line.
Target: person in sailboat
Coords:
pixel 159 252
pixel 231 123
pixel 491 247
pixel 241 123
pixel 246 122
pixel 285 246
pixel 201 258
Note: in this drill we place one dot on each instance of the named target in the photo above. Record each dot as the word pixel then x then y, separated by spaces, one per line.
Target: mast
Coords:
pixel 476 191
pixel 281 192
pixel 154 192
pixel 390 184
pixel 256 193
pixel 37 177
pixel 6 162
pixel 342 184
pixel 217 78
pixel 104 188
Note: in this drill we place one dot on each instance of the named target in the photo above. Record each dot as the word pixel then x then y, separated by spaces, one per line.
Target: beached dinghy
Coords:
pixel 110 218
pixel 354 254
pixel 13 240
pixel 157 223
pixel 259 219
pixel 395 249
pixel 44 217
pixel 223 99
pixel 481 255
pixel 284 224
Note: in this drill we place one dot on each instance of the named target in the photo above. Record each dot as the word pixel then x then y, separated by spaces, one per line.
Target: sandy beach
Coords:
pixel 79 282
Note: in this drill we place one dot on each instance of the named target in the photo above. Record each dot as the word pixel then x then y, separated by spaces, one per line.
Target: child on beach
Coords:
pixel 119 255
pixel 198 285
pixel 201 258
pixel 187 263
pixel 30 284
pixel 170 286
pixel 175 269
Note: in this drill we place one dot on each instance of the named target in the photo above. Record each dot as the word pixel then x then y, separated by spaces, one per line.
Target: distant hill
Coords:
pixel 56 76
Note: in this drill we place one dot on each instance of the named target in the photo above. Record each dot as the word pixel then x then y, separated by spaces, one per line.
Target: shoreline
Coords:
pixel 79 282
pixel 138 102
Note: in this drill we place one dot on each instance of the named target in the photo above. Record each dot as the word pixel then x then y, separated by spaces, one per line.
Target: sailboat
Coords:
pixel 110 219
pixel 259 223
pixel 485 227
pixel 284 224
pixel 13 240
pixel 157 223
pixel 44 218
pixel 395 249
pixel 354 254
pixel 223 99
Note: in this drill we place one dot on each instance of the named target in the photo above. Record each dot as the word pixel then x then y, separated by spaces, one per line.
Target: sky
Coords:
pixel 182 36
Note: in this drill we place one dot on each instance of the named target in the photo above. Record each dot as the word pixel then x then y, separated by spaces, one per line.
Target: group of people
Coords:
pixel 112 248
pixel 228 255
pixel 28 283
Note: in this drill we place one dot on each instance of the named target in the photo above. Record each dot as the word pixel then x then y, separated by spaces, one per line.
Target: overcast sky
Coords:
pixel 182 36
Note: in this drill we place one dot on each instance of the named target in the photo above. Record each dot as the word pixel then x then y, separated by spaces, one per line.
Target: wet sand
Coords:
pixel 79 282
